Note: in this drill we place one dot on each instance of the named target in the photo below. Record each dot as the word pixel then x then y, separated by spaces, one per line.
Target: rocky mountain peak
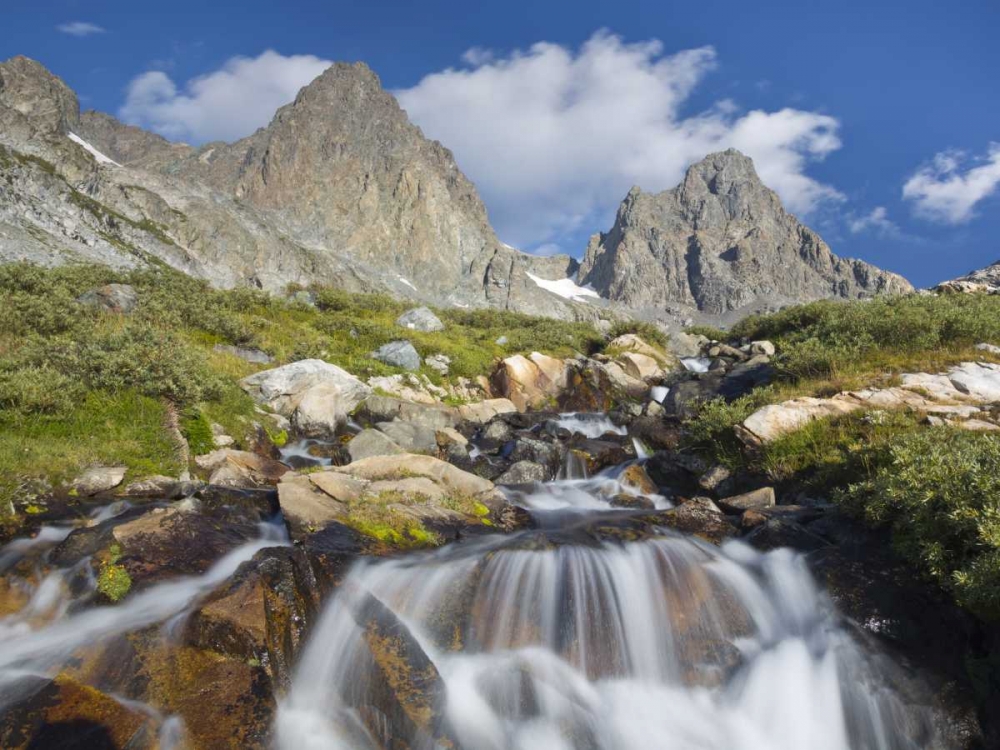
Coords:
pixel 27 87
pixel 720 243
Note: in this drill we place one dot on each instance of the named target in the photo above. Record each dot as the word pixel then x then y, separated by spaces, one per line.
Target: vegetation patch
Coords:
pixel 113 580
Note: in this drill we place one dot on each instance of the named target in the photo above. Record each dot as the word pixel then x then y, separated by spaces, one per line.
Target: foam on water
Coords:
pixel 588 425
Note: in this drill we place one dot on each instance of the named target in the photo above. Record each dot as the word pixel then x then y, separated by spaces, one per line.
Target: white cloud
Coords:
pixel 941 192
pixel 227 104
pixel 80 28
pixel 877 220
pixel 554 138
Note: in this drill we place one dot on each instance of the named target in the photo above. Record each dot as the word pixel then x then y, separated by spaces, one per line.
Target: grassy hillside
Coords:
pixel 936 488
pixel 79 386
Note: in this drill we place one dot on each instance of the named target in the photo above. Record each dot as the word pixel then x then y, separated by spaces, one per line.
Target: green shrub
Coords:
pixel 711 429
pixel 197 431
pixel 709 332
pixel 939 492
pixel 33 391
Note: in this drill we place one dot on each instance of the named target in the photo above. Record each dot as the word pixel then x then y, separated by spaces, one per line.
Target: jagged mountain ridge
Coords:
pixel 341 188
pixel 720 242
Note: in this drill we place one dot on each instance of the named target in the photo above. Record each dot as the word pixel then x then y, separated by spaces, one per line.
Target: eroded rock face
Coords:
pixel 985 280
pixel 719 242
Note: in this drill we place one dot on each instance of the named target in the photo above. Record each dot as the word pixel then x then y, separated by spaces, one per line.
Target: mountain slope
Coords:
pixel 339 189
pixel 720 242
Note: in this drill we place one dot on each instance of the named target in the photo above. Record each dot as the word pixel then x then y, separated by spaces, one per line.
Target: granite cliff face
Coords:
pixel 720 242
pixel 340 188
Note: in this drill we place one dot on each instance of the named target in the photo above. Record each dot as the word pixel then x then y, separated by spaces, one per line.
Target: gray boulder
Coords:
pixel 420 319
pixel 398 354
pixel 254 356
pixel 523 472
pixel 368 443
pixel 410 436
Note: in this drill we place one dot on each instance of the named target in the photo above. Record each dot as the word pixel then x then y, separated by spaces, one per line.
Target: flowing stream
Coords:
pixel 546 640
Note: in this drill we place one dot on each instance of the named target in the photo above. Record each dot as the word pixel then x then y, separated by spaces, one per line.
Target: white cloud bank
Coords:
pixel 877 220
pixel 80 28
pixel 942 192
pixel 554 137
pixel 227 104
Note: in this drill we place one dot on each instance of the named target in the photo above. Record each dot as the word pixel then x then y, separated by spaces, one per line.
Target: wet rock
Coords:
pixel 497 433
pixel 254 356
pixel 410 437
pixel 369 442
pixel 99 479
pixel 113 298
pixel 163 487
pixel 420 319
pixel 746 376
pixel 398 354
pixel 656 433
pixel 549 455
pixel 408 692
pixel 254 503
pixel 448 437
pixel 635 477
pixel 261 614
pixel 755 500
pixel 632 502
pixel 715 477
pixel 598 454
pixel 684 398
pixel 45 714
pixel 701 517
pixel 523 472
pixel 233 468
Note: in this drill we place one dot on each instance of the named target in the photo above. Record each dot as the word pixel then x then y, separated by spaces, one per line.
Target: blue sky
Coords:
pixel 875 121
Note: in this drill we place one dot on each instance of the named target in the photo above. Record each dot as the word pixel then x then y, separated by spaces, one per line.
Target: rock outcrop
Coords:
pixel 985 280
pixel 720 242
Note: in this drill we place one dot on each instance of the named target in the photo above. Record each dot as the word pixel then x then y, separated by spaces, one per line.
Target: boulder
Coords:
pixel 525 384
pixel 701 517
pixel 765 348
pixel 233 468
pixel 99 479
pixel 377 409
pixel 640 366
pixel 755 500
pixel 113 298
pixel 632 343
pixel 305 505
pixel 409 465
pixel 282 389
pixel 483 411
pixel 420 319
pixel 319 411
pixel 41 713
pixel 398 354
pixel 686 344
pixel 523 472
pixel 440 363
pixel 370 442
pixel 411 437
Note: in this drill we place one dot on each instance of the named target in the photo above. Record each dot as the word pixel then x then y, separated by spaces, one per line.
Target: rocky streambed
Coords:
pixel 515 573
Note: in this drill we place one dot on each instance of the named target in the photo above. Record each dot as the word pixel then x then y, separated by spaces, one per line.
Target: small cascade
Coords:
pixel 696 364
pixel 589 425
pixel 665 643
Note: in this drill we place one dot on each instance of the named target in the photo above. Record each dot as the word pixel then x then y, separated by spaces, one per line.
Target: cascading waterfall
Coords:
pixel 661 643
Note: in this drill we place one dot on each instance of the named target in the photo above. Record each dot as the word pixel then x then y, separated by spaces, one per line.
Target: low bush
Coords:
pixel 644 330
pixel 939 492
